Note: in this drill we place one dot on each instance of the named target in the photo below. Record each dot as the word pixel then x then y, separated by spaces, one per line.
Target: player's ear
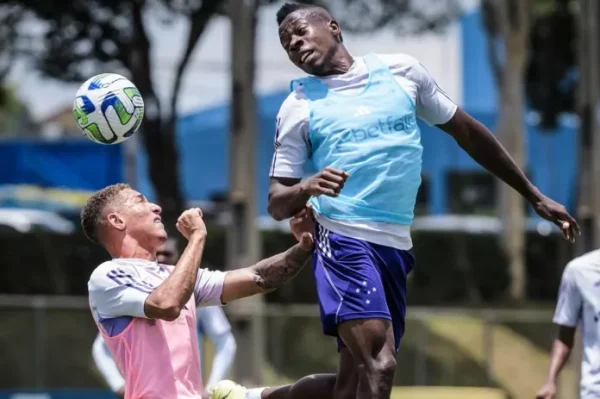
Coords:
pixel 116 221
pixel 335 29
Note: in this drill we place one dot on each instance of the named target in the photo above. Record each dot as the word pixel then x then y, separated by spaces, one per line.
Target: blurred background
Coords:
pixel 213 75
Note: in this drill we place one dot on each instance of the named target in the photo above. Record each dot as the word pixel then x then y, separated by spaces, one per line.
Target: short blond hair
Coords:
pixel 91 214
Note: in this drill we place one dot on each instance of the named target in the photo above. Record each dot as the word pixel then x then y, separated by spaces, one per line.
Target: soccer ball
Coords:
pixel 108 108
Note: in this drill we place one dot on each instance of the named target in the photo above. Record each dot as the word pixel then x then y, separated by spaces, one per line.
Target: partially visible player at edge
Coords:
pixel 146 311
pixel 210 322
pixel 578 301
pixel 355 119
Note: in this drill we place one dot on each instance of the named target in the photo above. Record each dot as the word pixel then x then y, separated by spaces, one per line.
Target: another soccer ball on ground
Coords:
pixel 108 108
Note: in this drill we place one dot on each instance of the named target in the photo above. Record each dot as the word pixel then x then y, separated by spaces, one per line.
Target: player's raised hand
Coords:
pixel 556 213
pixel 548 391
pixel 190 223
pixel 303 227
pixel 329 182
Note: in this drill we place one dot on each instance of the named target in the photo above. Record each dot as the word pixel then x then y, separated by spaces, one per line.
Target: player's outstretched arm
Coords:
pixel 166 301
pixel 561 349
pixel 483 147
pixel 268 274
pixel 271 273
pixel 288 196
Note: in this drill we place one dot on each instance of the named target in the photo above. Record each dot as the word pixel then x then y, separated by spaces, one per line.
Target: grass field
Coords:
pixel 447 393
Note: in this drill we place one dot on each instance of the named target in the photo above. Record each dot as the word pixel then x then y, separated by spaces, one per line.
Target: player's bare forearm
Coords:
pixel 287 197
pixel 167 300
pixel 277 270
pixel 561 350
pixel 266 275
pixel 483 147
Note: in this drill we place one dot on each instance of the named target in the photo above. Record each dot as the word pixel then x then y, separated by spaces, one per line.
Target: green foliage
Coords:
pixel 551 80
pixel 85 37
pixel 405 16
pixel 14 115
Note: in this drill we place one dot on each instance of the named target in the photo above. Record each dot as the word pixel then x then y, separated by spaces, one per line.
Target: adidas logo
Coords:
pixel 362 111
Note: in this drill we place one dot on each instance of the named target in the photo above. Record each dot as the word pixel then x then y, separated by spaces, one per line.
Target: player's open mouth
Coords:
pixel 305 56
pixel 157 220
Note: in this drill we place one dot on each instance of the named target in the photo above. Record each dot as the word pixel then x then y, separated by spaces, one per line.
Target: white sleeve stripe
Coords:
pixel 276 144
pixel 272 172
pixel 437 85
pixel 444 93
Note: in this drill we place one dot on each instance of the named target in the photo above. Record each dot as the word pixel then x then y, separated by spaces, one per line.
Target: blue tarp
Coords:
pixel 74 164
pixel 203 143
pixel 204 159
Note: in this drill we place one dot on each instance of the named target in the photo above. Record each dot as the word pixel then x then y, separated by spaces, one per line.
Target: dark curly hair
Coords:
pixel 313 12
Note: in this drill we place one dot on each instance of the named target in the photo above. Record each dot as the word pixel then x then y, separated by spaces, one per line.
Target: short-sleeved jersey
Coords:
pixel 120 287
pixel 156 357
pixel 579 301
pixel 293 148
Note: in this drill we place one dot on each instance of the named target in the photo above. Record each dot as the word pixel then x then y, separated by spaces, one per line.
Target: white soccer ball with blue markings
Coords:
pixel 108 108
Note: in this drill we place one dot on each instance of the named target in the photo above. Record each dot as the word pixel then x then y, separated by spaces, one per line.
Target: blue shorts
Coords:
pixel 359 280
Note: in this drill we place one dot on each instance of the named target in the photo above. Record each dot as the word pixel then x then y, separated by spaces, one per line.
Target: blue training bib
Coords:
pixel 372 135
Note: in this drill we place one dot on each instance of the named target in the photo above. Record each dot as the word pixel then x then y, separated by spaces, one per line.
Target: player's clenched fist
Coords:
pixel 190 223
pixel 329 181
pixel 303 227
pixel 548 391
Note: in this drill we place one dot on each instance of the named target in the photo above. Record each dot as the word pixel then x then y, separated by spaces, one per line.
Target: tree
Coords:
pixel 405 16
pixel 84 37
pixel 15 119
pixel 508 23
pixel 551 75
pixel 532 52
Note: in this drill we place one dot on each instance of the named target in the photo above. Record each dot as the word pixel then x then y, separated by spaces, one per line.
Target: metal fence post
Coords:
pixel 39 341
pixel 488 346
pixel 421 358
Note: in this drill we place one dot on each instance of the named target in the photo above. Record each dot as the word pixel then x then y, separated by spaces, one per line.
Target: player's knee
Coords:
pixel 379 371
pixel 386 367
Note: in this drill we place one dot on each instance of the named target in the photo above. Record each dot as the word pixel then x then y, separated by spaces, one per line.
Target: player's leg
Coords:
pixel 351 290
pixel 316 386
pixel 347 377
pixel 374 342
pixel 321 386
pixel 371 343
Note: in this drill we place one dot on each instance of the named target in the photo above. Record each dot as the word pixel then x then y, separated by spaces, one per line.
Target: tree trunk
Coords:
pixel 163 167
pixel 158 137
pixel 509 21
pixel 243 244
pixel 589 93
pixel 511 204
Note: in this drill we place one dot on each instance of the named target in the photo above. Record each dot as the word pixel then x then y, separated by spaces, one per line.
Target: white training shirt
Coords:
pixel 120 287
pixel 292 146
pixel 579 300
